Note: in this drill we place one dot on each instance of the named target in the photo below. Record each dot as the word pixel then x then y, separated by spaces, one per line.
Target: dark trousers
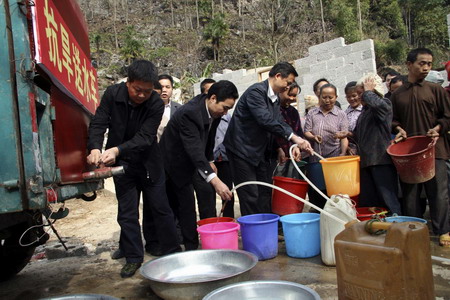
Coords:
pixel 224 173
pixel 315 198
pixel 436 190
pixel 379 188
pixel 155 204
pixel 253 198
pixel 182 202
pixel 206 197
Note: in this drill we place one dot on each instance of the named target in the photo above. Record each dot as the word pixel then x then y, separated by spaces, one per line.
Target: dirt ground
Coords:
pixel 93 226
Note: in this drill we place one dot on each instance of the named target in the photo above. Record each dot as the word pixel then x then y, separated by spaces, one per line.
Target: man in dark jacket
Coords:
pixel 132 112
pixel 187 146
pixel 257 116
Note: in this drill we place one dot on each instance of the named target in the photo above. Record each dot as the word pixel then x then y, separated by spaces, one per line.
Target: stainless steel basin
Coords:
pixel 263 290
pixel 191 275
pixel 82 297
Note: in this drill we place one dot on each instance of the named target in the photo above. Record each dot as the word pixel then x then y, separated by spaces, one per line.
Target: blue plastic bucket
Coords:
pixel 302 234
pixel 315 174
pixel 259 234
pixel 400 219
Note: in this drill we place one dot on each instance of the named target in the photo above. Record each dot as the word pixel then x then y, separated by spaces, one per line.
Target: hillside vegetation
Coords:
pixel 191 39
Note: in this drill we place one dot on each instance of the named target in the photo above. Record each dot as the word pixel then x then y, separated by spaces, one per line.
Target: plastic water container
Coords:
pixel 392 265
pixel 302 234
pixel 341 175
pixel 340 206
pixel 414 159
pixel 283 204
pixel 260 234
pixel 220 235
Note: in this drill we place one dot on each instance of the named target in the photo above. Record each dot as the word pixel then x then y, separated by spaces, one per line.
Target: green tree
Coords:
pixel 214 32
pixel 132 47
pixel 347 24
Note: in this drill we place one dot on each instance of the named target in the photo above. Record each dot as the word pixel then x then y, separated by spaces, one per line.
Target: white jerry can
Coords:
pixel 342 207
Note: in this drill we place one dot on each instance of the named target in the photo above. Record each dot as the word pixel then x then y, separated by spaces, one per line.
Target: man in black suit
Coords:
pixel 187 146
pixel 204 192
pixel 248 139
pixel 132 112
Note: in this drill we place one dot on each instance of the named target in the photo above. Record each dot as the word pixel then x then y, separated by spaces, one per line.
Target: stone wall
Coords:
pixel 334 60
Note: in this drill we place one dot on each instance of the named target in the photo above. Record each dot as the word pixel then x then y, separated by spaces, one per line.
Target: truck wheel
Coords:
pixel 14 257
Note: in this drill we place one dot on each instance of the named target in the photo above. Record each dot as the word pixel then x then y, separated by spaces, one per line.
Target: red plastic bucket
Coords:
pixel 414 159
pixel 214 220
pixel 367 213
pixel 283 204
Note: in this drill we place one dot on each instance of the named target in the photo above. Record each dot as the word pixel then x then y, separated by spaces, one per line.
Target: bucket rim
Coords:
pixel 289 179
pixel 203 228
pixel 376 211
pixel 316 218
pixel 406 219
pixel 413 153
pixel 243 220
pixel 340 159
pixel 215 220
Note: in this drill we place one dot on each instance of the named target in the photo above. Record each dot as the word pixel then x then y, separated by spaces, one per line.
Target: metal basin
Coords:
pixel 82 297
pixel 193 274
pixel 263 290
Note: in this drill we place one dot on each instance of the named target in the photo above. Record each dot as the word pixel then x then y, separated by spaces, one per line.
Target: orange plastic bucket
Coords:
pixel 283 204
pixel 414 159
pixel 341 175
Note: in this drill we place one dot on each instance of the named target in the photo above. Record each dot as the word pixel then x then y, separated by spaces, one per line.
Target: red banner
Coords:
pixel 59 54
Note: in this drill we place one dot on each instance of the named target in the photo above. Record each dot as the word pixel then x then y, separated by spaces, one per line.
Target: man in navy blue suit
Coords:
pixel 248 140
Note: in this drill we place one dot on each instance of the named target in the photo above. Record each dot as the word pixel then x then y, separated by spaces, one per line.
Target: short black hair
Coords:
pixel 391 72
pixel 142 70
pixel 166 76
pixel 351 85
pixel 398 78
pixel 328 85
pixel 223 90
pixel 284 68
pixel 317 83
pixel 412 55
pixel 205 82
pixel 295 85
pixel 157 85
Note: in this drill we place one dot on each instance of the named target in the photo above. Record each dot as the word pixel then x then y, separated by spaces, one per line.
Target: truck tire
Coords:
pixel 14 257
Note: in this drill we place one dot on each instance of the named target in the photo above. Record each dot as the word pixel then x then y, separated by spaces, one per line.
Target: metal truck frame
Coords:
pixel 48 92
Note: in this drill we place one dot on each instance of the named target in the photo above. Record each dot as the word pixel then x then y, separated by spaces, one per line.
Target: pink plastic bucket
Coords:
pixel 220 235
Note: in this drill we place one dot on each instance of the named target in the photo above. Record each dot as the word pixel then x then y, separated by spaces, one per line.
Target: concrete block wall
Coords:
pixel 334 60
pixel 337 62
pixel 241 78
pixel 448 24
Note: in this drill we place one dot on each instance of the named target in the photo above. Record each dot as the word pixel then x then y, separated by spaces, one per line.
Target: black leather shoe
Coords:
pixel 129 269
pixel 118 254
